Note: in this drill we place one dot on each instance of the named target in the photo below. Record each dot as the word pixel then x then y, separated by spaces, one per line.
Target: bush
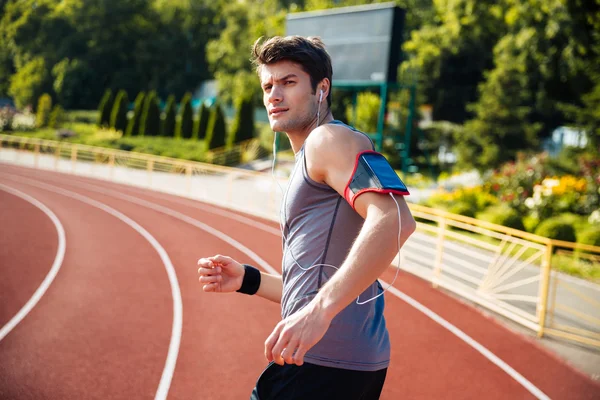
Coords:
pixel 202 122
pixel 590 236
pixel 150 121
pixel 243 125
pixel 168 126
pixel 105 108
pixel 43 110
pixel 118 116
pixel 57 117
pixel 186 117
pixel 133 126
pixel 502 215
pixel 216 130
pixel 464 209
pixel 556 228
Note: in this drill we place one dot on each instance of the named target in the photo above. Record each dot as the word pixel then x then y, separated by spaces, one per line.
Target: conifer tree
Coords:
pixel 168 125
pixel 133 126
pixel 216 131
pixel 118 117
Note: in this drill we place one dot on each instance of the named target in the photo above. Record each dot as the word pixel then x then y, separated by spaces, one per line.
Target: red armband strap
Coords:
pixel 373 173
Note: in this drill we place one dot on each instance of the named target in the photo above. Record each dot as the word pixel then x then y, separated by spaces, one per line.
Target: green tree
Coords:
pixel 367 112
pixel 168 126
pixel 204 116
pixel 243 124
pixel 43 110
pixel 216 131
pixel 186 117
pixel 29 82
pixel 133 126
pixel 150 121
pixel 105 108
pixel 118 116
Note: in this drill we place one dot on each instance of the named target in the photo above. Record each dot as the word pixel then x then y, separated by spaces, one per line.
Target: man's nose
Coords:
pixel 276 95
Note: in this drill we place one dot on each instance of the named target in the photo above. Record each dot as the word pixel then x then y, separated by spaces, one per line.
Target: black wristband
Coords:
pixel 251 281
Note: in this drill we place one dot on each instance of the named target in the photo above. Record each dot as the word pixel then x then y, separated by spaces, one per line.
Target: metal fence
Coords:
pixel 508 271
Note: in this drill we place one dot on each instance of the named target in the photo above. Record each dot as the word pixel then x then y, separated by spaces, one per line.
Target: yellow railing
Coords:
pixel 505 270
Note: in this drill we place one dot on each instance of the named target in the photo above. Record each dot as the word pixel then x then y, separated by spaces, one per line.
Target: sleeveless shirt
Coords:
pixel 319 228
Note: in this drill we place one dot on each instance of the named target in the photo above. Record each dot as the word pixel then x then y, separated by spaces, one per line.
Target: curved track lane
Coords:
pixel 222 337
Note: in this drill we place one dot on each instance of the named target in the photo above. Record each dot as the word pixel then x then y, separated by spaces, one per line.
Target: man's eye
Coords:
pixel 266 88
pixel 289 82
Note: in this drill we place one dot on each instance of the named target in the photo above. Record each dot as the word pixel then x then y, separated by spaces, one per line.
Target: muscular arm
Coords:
pixel 375 247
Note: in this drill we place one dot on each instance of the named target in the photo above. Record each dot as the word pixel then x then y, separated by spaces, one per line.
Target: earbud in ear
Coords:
pixel 321 96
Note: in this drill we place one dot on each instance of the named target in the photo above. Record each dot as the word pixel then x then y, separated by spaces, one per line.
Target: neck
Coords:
pixel 297 138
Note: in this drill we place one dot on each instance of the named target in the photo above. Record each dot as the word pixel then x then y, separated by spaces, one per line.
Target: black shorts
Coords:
pixel 314 382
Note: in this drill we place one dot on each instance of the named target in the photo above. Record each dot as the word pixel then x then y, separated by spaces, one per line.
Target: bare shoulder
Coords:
pixel 331 140
pixel 332 149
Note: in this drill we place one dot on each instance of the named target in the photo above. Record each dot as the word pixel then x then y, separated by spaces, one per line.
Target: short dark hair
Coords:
pixel 307 52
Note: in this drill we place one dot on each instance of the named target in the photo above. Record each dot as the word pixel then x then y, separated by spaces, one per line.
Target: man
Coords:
pixel 332 342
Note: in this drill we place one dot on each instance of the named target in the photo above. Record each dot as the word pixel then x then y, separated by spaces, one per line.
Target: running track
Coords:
pixel 112 309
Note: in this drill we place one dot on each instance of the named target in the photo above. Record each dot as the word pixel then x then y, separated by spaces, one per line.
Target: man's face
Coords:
pixel 288 96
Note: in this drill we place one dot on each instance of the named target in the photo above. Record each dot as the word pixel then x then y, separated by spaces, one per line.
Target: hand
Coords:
pixel 220 274
pixel 295 335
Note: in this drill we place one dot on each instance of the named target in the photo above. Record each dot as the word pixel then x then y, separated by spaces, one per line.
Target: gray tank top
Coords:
pixel 320 227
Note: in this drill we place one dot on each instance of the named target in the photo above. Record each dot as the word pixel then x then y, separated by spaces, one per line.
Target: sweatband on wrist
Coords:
pixel 251 281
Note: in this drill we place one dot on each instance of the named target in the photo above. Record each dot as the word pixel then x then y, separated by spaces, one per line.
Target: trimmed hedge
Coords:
pixel 216 131
pixel 150 122
pixel 168 126
pixel 118 116
pixel 590 236
pixel 105 108
pixel 57 117
pixel 462 208
pixel 43 110
pixel 185 128
pixel 502 215
pixel 243 125
pixel 202 122
pixel 556 228
pixel 133 126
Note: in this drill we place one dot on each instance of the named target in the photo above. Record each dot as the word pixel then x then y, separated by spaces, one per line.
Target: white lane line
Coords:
pixel 194 222
pixel 471 342
pixel 58 259
pixel 167 375
pixel 409 300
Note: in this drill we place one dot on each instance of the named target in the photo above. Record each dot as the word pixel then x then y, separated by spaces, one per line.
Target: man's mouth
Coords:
pixel 277 111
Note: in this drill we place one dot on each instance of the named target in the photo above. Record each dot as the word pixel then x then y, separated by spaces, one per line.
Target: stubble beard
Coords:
pixel 297 123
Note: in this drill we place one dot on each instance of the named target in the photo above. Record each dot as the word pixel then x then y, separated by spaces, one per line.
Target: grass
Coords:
pixel 90 134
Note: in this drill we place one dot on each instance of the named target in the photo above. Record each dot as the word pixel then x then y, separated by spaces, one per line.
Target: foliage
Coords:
pixel 367 112
pixel 29 82
pixel 168 125
pixel 502 214
pixel 186 117
pixel 105 108
pixel 556 228
pixel 43 110
pixel 118 116
pixel 57 117
pixel 150 121
pixel 243 124
pixel 216 131
pixel 590 236
pixel 203 117
pixel 475 198
pixel 133 125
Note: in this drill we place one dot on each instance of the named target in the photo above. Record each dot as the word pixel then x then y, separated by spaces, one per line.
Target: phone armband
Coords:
pixel 373 173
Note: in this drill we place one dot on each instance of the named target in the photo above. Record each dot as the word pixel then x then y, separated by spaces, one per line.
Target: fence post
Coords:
pixel 437 269
pixel 149 168
pixel 73 157
pixel 111 164
pixel 56 157
pixel 188 178
pixel 36 154
pixel 544 284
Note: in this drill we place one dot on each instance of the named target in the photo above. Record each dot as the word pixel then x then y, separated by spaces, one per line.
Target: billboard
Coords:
pixel 363 41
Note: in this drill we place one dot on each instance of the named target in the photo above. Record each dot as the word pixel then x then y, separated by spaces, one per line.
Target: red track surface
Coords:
pixel 102 329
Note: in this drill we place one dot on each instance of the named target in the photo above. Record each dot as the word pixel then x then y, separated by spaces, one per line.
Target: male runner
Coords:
pixel 339 237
